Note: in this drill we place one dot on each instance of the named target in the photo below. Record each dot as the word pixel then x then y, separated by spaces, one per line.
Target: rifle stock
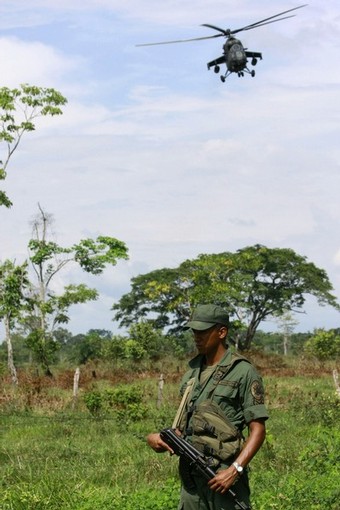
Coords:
pixel 196 459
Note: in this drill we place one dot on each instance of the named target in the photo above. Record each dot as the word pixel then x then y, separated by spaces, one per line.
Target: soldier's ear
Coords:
pixel 223 331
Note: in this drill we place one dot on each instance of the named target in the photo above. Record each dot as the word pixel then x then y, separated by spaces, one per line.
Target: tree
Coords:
pixel 253 284
pixel 49 309
pixel 286 323
pixel 19 108
pixel 90 348
pixel 13 282
pixel 148 338
pixel 324 344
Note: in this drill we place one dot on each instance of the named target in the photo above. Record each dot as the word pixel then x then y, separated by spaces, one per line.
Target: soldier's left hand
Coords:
pixel 223 480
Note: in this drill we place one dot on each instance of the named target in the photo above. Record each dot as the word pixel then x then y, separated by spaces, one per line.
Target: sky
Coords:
pixel 155 150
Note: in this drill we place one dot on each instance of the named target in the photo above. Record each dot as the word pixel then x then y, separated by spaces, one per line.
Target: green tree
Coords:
pixel 113 349
pixel 324 344
pixel 13 282
pixel 148 338
pixel 253 283
pixel 49 309
pixel 91 347
pixel 19 108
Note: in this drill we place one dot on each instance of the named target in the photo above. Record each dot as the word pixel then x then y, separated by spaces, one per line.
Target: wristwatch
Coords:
pixel 238 468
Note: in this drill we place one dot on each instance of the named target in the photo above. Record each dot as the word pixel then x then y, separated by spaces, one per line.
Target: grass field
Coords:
pixel 93 455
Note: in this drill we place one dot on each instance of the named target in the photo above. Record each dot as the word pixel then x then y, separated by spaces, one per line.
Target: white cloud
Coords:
pixel 32 62
pixel 337 258
pixel 154 150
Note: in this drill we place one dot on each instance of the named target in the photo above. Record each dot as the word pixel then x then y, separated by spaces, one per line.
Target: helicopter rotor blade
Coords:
pixel 229 32
pixel 224 32
pixel 250 27
pixel 181 40
pixel 262 22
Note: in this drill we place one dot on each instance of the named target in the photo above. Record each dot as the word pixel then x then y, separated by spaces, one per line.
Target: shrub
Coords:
pixel 324 344
pixel 126 402
pixel 94 401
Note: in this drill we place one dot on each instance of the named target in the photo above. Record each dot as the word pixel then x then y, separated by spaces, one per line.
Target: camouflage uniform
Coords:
pixel 237 388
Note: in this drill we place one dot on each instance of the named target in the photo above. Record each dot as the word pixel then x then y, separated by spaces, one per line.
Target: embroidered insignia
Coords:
pixel 257 392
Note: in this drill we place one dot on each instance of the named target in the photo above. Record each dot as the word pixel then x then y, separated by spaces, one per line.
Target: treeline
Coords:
pixel 144 342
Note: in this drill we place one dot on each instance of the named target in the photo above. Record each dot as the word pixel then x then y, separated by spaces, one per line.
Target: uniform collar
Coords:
pixel 197 361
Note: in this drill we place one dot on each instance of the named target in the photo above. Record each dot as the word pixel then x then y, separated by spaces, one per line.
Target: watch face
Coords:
pixel 239 468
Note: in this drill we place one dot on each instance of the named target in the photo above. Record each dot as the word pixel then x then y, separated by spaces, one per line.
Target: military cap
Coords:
pixel 207 316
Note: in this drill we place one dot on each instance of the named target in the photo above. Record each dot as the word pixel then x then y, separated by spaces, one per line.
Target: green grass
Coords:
pixel 56 458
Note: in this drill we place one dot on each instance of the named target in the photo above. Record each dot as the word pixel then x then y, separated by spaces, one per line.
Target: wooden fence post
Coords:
pixel 336 381
pixel 75 387
pixel 160 391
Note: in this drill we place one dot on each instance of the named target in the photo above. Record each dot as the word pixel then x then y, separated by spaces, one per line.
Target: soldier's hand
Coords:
pixel 223 480
pixel 156 443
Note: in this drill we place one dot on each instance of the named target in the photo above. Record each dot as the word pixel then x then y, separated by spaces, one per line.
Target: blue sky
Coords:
pixel 153 149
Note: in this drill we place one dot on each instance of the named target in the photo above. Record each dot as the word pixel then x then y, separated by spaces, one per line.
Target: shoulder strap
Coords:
pixel 182 405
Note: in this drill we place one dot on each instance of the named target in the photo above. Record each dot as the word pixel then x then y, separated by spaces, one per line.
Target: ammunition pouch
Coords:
pixel 213 434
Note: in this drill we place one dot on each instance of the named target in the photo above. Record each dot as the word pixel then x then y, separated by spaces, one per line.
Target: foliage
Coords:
pixel 159 498
pixel 253 284
pixel 94 402
pixel 113 348
pixel 49 309
pixel 89 347
pixel 19 107
pixel 93 255
pixel 133 350
pixel 126 402
pixel 44 348
pixel 41 451
pixel 273 342
pixel 315 408
pixel 21 353
pixel 324 344
pixel 13 282
pixel 149 339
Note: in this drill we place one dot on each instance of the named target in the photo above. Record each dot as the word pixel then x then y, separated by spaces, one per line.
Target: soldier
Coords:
pixel 222 395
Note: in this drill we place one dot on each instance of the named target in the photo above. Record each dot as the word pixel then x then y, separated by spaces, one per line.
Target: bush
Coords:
pixel 126 402
pixel 316 408
pixel 94 401
pixel 324 344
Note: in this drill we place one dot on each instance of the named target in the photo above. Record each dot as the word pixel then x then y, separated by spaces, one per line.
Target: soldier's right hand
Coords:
pixel 157 444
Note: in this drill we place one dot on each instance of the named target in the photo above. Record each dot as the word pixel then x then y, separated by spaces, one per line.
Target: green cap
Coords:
pixel 207 316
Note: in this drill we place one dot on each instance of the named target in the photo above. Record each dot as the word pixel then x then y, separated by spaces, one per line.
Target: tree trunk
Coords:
pixel 10 362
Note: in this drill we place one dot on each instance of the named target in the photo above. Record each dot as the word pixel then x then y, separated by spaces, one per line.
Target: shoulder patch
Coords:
pixel 257 392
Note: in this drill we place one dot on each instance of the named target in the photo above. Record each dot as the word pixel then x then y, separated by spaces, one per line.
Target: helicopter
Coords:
pixel 235 56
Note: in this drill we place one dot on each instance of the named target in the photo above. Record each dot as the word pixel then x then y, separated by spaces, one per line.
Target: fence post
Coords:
pixel 160 391
pixel 75 387
pixel 336 381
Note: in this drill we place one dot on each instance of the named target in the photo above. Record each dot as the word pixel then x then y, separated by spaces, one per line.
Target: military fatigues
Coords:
pixel 233 393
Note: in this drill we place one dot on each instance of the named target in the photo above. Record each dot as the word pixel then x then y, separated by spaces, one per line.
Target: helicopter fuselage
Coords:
pixel 235 57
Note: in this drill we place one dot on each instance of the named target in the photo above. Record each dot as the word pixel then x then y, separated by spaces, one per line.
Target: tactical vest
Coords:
pixel 205 424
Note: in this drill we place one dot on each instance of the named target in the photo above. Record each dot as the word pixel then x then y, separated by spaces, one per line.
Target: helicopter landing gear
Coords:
pixel 240 73
pixel 252 73
pixel 222 78
pixel 216 69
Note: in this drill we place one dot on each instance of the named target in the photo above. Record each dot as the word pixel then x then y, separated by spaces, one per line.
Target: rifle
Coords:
pixel 195 459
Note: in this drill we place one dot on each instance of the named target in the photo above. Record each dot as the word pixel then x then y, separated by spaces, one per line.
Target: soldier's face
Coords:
pixel 209 340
